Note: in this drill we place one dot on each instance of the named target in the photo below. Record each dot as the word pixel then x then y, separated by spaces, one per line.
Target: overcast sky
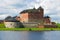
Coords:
pixel 14 7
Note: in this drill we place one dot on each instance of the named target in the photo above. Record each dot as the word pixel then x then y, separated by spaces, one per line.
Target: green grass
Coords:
pixel 14 29
pixel 58 25
pixel 29 29
pixel 45 29
pixel 2 25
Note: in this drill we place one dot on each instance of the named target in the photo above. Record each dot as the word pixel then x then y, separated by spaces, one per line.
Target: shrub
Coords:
pixel 2 25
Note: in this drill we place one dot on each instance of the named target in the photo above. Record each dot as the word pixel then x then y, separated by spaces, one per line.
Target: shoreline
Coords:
pixel 29 29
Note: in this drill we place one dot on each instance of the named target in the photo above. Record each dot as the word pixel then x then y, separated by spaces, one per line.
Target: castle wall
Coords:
pixel 18 18
pixel 31 17
pixel 30 25
pixel 24 17
pixel 36 15
pixel 47 21
pixel 12 24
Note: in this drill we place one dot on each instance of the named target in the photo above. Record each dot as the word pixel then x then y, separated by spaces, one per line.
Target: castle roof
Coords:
pixel 11 19
pixel 31 10
pixel 40 8
pixel 46 17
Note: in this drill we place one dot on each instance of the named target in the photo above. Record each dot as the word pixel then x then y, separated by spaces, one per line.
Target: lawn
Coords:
pixel 58 24
pixel 2 25
pixel 29 29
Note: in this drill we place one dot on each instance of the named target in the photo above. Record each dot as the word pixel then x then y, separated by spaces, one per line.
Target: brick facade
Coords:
pixel 18 18
pixel 47 21
pixel 35 15
pixel 24 17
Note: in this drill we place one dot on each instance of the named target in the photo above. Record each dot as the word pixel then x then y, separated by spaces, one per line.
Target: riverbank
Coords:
pixel 29 29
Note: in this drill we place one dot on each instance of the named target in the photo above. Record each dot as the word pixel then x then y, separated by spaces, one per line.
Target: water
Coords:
pixel 25 35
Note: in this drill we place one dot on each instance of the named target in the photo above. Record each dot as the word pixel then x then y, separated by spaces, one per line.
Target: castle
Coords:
pixel 30 18
pixel 34 15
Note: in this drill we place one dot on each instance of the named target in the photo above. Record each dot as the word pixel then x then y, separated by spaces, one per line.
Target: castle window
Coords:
pixel 10 24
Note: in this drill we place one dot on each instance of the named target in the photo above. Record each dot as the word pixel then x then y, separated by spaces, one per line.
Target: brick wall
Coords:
pixel 47 21
pixel 36 15
pixel 18 18
pixel 50 26
pixel 30 17
pixel 24 17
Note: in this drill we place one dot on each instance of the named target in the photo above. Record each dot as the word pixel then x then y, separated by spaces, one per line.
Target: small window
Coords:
pixel 10 24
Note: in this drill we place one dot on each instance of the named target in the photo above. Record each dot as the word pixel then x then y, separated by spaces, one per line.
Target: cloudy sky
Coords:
pixel 14 7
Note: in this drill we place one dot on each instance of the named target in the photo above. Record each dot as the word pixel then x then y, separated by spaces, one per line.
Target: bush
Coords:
pixel 2 25
pixel 58 25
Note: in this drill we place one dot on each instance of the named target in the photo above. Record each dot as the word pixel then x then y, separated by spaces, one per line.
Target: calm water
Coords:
pixel 24 35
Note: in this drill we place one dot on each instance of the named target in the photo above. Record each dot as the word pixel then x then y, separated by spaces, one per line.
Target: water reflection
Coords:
pixel 13 35
pixel 25 35
pixel 36 35
pixel 52 35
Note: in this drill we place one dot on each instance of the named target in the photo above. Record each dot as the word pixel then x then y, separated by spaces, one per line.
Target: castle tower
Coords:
pixel 47 20
pixel 32 15
pixel 41 11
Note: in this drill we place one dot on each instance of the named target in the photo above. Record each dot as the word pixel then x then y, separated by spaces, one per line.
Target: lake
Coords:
pixel 29 35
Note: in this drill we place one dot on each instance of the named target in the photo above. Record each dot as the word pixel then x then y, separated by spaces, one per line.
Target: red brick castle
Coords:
pixel 34 16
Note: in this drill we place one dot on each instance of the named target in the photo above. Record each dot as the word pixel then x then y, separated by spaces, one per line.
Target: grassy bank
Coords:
pixel 2 28
pixel 2 25
pixel 58 24
pixel 29 29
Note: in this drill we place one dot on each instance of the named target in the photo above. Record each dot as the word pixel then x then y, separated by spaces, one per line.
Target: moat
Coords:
pixel 29 35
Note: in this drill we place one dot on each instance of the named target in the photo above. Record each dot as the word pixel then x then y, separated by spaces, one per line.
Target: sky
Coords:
pixel 14 7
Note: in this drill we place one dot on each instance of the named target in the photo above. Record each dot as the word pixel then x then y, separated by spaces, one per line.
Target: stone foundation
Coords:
pixel 30 25
pixel 50 26
pixel 12 24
